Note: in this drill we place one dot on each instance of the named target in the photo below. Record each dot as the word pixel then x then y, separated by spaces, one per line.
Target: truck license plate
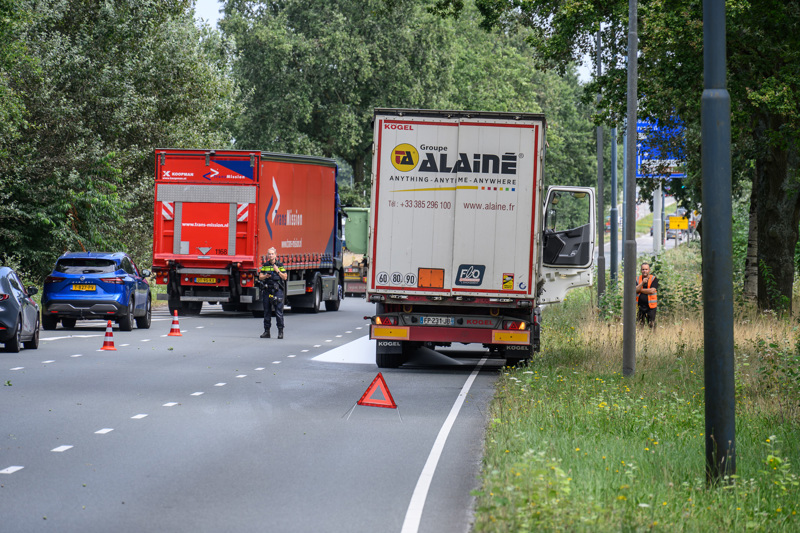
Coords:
pixel 437 321
pixel 205 280
pixel 83 287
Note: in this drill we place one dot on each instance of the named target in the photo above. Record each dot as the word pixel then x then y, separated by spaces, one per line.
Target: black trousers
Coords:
pixel 272 303
pixel 647 316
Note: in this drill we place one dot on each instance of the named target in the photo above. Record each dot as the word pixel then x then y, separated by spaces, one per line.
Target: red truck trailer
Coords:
pixel 217 212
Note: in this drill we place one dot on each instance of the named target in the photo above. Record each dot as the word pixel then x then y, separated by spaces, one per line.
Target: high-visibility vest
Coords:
pixel 652 299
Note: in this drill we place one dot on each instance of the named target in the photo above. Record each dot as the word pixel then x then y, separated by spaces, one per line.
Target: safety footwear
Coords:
pixel 280 333
pixel 265 335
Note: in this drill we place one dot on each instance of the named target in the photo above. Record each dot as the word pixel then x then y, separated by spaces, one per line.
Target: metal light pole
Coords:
pixel 601 258
pixel 629 289
pixel 624 190
pixel 717 250
pixel 614 214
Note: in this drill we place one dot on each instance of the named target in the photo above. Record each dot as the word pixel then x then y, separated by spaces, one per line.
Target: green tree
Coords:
pixel 112 81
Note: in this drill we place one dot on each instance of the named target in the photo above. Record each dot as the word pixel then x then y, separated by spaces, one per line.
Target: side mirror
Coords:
pixel 146 273
pixel 551 219
pixel 31 290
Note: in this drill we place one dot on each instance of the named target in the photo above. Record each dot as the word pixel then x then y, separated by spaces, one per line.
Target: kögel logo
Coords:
pixel 405 157
pixel 471 275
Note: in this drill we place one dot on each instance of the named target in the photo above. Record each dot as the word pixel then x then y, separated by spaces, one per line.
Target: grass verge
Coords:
pixel 574 446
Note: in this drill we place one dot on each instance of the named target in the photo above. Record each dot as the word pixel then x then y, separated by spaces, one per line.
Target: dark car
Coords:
pixel 92 285
pixel 19 314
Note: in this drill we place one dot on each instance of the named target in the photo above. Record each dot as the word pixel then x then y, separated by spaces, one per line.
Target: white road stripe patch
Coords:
pixel 199 327
pixel 317 345
pixel 220 384
pixel 69 337
pixel 303 351
pixel 61 448
pixel 11 469
pixel 139 417
pixel 417 503
pixel 46 362
pixel 241 376
pixel 348 332
pixel 162 336
pixel 359 327
pixel 360 351
pixel 170 404
pixel 197 394
pixel 18 368
pixel 338 336
pixel 275 362
pixel 145 340
pixel 124 344
pixel 77 355
pixel 329 340
pixel 104 431
pixel 260 368
pixel 291 355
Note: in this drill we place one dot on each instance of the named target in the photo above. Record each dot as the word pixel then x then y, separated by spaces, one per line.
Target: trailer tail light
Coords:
pixel 247 279
pixel 512 324
pixel 386 321
pixel 53 279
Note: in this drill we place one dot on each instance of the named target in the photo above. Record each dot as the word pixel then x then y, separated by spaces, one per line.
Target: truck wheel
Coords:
pixel 192 308
pixel 389 360
pixel 333 305
pixel 315 305
pixel 49 323
pixel 126 321
pixel 69 323
pixel 143 322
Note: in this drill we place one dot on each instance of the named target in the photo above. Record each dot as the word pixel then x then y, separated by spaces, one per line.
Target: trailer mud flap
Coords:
pixel 518 351
pixel 389 347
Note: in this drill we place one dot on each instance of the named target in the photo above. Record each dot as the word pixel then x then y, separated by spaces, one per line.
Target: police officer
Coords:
pixel 273 274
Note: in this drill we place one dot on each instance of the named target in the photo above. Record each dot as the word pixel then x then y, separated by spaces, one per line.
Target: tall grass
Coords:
pixel 574 446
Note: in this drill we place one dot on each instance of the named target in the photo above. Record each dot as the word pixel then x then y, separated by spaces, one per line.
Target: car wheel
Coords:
pixel 143 322
pixel 69 323
pixel 13 344
pixel 33 344
pixel 49 323
pixel 126 321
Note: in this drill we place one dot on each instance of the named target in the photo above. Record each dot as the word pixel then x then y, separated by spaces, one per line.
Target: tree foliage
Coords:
pixel 96 87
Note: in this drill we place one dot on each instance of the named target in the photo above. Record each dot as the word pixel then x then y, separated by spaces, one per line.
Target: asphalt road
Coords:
pixel 219 430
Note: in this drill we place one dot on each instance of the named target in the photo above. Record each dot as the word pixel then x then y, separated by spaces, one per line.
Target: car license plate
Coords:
pixel 437 321
pixel 84 287
pixel 205 280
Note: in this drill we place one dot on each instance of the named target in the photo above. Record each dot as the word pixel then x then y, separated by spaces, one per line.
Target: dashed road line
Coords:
pixel 18 368
pixel 170 404
pixel 260 368
pixel 47 362
pixel 276 362
pixel 77 355
pixel 103 431
pixel 240 376
pixel 197 394
pixel 220 384
pixel 11 469
pixel 61 448
pixel 139 416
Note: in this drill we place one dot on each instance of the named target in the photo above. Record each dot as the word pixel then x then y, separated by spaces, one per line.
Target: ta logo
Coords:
pixel 405 157
pixel 470 275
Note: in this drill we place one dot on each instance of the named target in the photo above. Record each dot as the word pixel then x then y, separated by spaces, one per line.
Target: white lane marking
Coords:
pixel 348 332
pixel 170 404
pixel 162 336
pixel 145 340
pixel 260 368
pixel 359 327
pixel 338 336
pixel 199 327
pixel 104 431
pixel 70 337
pixel 77 355
pixel 360 351
pixel 290 356
pixel 11 469
pixel 18 368
pixel 139 416
pixel 124 344
pixel 61 448
pixel 197 394
pixel 303 351
pixel 330 340
pixel 276 362
pixel 46 362
pixel 240 376
pixel 317 345
pixel 417 503
pixel 220 384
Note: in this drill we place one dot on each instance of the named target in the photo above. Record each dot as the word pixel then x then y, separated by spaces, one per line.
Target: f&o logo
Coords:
pixel 405 157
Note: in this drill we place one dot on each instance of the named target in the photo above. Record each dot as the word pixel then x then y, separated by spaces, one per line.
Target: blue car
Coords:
pixel 19 314
pixel 92 285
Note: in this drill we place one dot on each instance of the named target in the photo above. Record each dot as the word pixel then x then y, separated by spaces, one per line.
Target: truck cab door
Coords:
pixel 567 242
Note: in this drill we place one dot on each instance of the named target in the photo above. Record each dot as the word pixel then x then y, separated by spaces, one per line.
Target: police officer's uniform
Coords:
pixel 272 297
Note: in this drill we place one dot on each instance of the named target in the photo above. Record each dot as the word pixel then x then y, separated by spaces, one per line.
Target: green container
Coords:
pixel 355 230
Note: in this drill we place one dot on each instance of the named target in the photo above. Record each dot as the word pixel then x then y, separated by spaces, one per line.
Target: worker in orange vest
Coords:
pixel 646 296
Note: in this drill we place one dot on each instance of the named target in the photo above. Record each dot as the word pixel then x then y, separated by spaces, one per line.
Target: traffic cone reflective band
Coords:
pixel 378 384
pixel 176 329
pixel 108 342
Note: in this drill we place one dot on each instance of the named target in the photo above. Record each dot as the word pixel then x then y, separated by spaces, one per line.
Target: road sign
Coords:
pixel 678 223
pixel 658 147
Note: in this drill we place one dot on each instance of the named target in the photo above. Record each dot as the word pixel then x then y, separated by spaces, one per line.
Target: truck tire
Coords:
pixel 143 322
pixel 389 360
pixel 317 295
pixel 192 308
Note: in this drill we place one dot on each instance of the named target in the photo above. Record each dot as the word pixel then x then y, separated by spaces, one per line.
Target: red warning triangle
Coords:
pixel 378 384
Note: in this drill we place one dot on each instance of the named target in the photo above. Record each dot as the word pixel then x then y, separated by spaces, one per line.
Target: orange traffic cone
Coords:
pixel 176 329
pixel 108 343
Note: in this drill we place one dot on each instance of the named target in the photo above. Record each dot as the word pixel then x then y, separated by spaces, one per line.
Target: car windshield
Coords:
pixel 85 266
